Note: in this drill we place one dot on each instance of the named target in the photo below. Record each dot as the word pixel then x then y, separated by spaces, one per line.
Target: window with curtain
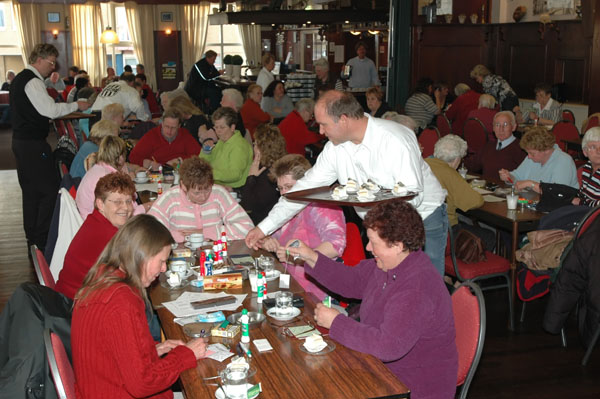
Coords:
pixel 225 40
pixel 2 17
pixel 123 53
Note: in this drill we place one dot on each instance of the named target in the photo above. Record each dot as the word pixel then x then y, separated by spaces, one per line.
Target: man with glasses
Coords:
pixel 168 143
pixel 32 109
pixel 505 153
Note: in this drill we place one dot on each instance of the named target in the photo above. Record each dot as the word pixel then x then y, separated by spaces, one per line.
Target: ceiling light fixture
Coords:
pixel 109 36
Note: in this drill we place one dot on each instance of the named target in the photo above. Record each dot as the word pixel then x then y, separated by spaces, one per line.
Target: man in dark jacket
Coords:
pixel 200 85
pixel 579 277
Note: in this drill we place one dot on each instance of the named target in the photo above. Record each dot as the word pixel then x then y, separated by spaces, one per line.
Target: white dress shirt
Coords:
pixel 389 153
pixel 120 92
pixel 36 92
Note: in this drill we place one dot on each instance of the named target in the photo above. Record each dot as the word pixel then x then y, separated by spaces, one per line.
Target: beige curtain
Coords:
pixel 86 29
pixel 251 41
pixel 194 25
pixel 28 18
pixel 140 19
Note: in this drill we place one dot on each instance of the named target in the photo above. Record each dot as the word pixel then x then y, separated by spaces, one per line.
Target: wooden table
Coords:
pixel 286 371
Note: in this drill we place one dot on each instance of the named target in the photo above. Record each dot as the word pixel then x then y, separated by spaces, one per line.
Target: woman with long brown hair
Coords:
pixel 114 355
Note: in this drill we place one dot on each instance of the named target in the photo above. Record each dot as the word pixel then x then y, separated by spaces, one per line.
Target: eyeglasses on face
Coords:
pixel 121 202
pixel 286 187
pixel 53 63
pixel 505 124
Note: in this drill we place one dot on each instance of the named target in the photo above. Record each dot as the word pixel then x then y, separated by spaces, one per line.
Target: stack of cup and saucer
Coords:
pixel 194 241
pixel 141 177
pixel 176 276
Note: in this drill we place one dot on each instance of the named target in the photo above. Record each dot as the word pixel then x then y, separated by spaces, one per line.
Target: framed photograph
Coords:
pixel 166 17
pixel 53 17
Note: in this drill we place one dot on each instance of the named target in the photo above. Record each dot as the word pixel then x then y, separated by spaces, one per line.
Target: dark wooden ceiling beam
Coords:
pixel 299 17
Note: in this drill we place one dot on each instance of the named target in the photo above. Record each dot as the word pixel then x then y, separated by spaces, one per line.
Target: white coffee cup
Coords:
pixel 511 201
pixel 179 267
pixel 141 175
pixel 195 239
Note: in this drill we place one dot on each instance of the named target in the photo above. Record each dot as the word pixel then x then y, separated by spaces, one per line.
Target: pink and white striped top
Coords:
pixel 219 213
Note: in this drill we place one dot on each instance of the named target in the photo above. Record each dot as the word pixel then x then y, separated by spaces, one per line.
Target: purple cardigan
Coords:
pixel 406 320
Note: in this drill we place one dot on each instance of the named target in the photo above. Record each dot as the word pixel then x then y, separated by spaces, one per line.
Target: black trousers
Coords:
pixel 39 181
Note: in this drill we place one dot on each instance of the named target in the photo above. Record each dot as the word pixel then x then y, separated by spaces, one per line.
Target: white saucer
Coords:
pixel 187 274
pixel 338 198
pixel 365 199
pixel 328 348
pixel 272 312
pixel 193 247
pixel 401 194
pixel 351 190
pixel 219 394
pixel 142 180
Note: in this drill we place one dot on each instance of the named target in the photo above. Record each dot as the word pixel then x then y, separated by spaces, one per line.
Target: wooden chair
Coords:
pixel 427 139
pixel 354 251
pixel 494 267
pixel 42 270
pixel 443 125
pixel 565 131
pixel 468 306
pixel 60 366
pixel 475 135
pixel 567 115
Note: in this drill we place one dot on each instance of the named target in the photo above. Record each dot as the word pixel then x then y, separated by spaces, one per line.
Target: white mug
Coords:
pixel 179 267
pixel 196 238
pixel 141 175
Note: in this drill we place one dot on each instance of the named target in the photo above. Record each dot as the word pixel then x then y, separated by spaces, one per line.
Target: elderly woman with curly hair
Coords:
pixel 406 317
pixel 260 194
pixel 497 87
pixel 545 162
pixel 199 205
pixel 589 193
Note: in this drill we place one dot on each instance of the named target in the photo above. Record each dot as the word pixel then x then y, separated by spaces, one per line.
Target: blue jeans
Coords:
pixel 436 234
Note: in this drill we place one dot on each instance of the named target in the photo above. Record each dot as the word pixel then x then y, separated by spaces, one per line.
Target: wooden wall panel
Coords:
pixel 518 52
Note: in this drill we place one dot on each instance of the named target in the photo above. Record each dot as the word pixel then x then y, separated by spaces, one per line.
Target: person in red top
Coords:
pixel 293 128
pixel 167 143
pixel 252 114
pixel 466 101
pixel 486 112
pixel 114 355
pixel 150 96
pixel 113 206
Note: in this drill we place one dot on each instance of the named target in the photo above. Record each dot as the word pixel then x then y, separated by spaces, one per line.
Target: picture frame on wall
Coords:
pixel 166 17
pixel 53 17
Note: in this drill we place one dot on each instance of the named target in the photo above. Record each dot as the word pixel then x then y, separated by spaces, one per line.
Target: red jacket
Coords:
pixel 153 144
pixel 296 134
pixel 253 115
pixel 460 108
pixel 114 355
pixel 87 245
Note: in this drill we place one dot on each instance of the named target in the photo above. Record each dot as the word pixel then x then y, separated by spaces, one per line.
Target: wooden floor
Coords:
pixel 525 364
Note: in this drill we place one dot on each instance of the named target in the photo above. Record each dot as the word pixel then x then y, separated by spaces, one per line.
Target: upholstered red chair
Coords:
pixel 567 115
pixel 60 366
pixel 494 267
pixel 468 307
pixel 354 251
pixel 592 121
pixel 565 131
pixel 443 124
pixel 42 270
pixel 475 135
pixel 427 139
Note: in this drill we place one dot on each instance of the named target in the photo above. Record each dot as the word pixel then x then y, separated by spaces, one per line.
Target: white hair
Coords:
pixel 305 104
pixel 404 120
pixel 235 96
pixel 449 148
pixel 592 134
pixel 487 101
pixel 461 89
pixel 322 63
